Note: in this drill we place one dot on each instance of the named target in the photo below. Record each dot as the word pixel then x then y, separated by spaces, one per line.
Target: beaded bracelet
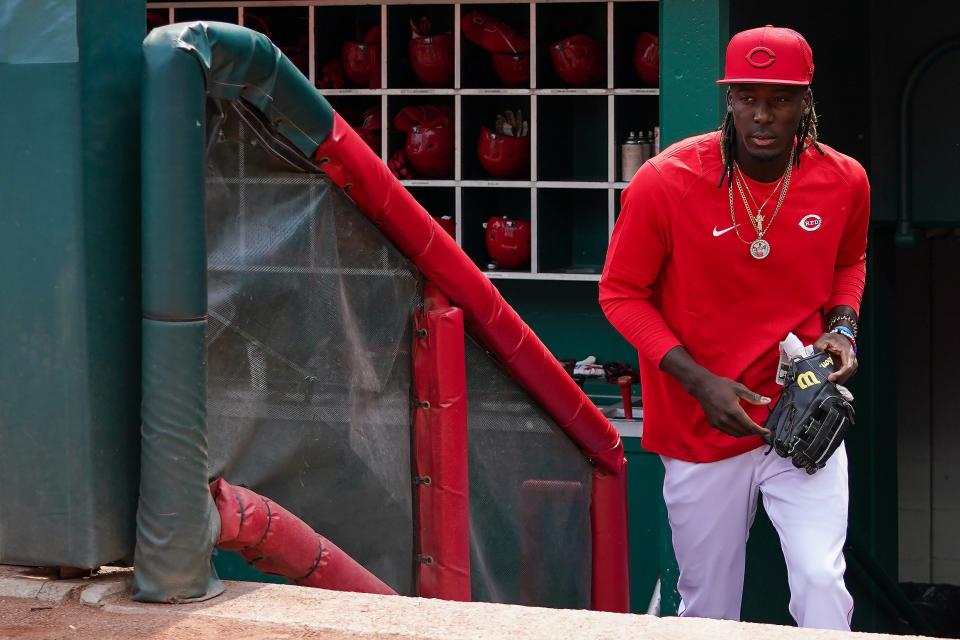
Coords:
pixel 847 333
pixel 851 320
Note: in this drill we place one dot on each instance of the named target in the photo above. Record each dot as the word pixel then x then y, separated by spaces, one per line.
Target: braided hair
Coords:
pixel 806 138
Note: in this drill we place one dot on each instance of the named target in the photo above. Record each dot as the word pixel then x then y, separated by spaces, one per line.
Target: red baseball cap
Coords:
pixel 768 55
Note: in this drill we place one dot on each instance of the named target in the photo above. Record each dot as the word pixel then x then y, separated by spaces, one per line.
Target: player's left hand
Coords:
pixel 841 349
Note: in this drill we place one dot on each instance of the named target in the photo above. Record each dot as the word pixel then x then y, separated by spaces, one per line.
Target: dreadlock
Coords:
pixel 806 138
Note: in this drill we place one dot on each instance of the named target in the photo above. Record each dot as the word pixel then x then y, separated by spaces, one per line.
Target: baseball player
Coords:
pixel 727 242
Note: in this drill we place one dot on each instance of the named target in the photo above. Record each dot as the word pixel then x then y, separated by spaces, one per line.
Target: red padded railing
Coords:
pixel 350 163
pixel 277 542
pixel 440 451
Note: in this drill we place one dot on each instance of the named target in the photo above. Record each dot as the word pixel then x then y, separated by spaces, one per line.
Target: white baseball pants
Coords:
pixel 711 507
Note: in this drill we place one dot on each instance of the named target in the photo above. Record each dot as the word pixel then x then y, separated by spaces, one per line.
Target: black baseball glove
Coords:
pixel 812 415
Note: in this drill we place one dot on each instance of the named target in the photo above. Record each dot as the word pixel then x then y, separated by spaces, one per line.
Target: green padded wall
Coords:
pixel 69 196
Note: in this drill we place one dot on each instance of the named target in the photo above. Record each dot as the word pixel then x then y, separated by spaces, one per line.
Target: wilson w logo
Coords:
pixel 807 379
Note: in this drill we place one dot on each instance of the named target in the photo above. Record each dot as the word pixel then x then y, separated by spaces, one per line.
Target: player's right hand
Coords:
pixel 720 399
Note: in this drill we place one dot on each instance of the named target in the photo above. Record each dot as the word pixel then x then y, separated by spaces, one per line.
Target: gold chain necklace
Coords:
pixel 759 248
pixel 742 184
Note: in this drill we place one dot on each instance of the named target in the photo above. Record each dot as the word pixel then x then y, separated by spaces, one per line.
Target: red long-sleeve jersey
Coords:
pixel 678 274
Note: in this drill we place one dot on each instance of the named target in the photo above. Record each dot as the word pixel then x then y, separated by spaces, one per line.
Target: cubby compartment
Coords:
pixel 568 187
pixel 633 114
pixel 572 138
pixel 348 37
pixel 431 154
pixel 502 58
pixel 479 206
pixel 287 27
pixel 209 14
pixel 572 45
pixel 488 155
pixel 572 230
pixel 636 44
pixel 429 62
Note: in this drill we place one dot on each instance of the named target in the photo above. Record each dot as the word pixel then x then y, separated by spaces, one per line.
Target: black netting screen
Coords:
pixel 529 496
pixel 308 346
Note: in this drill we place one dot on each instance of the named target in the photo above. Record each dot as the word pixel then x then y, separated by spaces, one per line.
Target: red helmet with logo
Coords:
pixel 578 60
pixel 430 151
pixel 768 55
pixel 432 59
pixel 503 156
pixel 513 69
pixel 361 60
pixel 646 59
pixel 509 49
pixel 431 56
pixel 429 146
pixel 508 242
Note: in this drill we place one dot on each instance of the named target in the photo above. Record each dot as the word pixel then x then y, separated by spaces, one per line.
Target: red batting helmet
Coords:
pixel 492 34
pixel 503 156
pixel 429 146
pixel 432 59
pixel 579 60
pixel 646 58
pixel 508 242
pixel 768 55
pixel 360 60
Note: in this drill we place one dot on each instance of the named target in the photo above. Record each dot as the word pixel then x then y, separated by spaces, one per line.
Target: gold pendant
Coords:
pixel 759 249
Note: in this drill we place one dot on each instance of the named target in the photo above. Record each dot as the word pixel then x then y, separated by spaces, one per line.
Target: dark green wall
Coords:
pixel 69 176
pixel 567 317
pixel 900 35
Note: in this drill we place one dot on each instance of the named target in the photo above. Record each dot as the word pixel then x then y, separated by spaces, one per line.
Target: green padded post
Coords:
pixel 185 65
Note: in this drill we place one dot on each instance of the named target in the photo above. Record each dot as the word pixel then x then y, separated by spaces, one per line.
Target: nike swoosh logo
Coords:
pixel 719 232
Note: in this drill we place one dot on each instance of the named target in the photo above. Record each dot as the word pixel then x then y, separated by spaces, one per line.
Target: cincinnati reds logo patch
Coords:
pixel 810 222
pixel 761 57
